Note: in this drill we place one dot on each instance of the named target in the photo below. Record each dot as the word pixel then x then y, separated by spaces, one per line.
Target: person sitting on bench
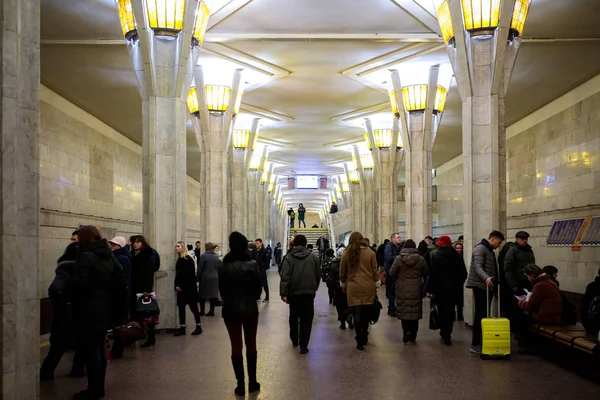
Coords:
pixel 590 312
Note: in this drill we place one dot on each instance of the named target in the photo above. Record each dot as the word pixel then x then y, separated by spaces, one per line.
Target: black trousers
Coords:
pixel 212 303
pixel 301 221
pixel 481 311
pixel 94 356
pixel 341 304
pixel 194 310
pixel 54 356
pixel 361 323
pixel 302 312
pixel 446 316
pixel 331 292
pixel 410 325
pixel 265 283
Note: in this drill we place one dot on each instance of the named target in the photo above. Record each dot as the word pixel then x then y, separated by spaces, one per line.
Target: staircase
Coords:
pixel 312 234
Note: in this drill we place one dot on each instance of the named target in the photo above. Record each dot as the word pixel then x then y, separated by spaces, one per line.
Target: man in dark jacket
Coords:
pixel 260 255
pixel 380 253
pixel 322 245
pixel 197 250
pixel 447 275
pixel 118 246
pixel 300 278
pixel 391 251
pixel 519 256
pixel 482 275
pixel 590 312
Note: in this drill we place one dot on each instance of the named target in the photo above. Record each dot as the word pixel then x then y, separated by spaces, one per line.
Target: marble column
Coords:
pixel 164 68
pixel 252 178
pixel 483 66
pixel 19 207
pixel 356 195
pixel 260 200
pixel 418 138
pixel 368 209
pixel 239 191
pixel 267 205
pixel 202 180
pixel 390 161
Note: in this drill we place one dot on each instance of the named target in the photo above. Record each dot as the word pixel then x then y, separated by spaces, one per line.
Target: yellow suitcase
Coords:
pixel 495 335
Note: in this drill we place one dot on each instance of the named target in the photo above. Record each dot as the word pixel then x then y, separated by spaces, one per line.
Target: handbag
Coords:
pixel 375 311
pixel 434 317
pixel 147 307
pixel 128 333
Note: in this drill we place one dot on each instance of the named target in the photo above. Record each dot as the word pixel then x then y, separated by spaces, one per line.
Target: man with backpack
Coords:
pixel 590 313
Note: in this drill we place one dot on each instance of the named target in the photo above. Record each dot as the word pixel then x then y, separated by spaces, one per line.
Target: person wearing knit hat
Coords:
pixel 447 276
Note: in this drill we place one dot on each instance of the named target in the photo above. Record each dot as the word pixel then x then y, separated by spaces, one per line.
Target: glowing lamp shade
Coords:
pixel 127 19
pixel 393 102
pixel 445 21
pixel 255 162
pixel 367 141
pixel 165 16
pixel 240 139
pixel 383 138
pixel 345 187
pixel 202 14
pixel 518 18
pixel 263 177
pixel 192 101
pixel 354 177
pixel 415 98
pixel 400 144
pixel 366 160
pixel 481 15
pixel 270 188
pixel 217 98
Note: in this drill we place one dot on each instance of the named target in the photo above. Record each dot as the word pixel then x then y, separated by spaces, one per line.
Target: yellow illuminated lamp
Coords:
pixel 264 175
pixel 238 101
pixel 217 98
pixel 481 16
pixel 202 14
pixel 240 139
pixel 383 138
pixel 270 188
pixel 366 161
pixel 127 19
pixel 400 144
pixel 192 101
pixel 166 16
pixel 345 187
pixel 354 163
pixel 415 98
pixel 255 162
pixel 393 102
pixel 518 18
pixel 354 177
pixel 367 141
pixel 445 20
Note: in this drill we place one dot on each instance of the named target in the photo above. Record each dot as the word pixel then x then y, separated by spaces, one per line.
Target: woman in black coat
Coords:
pixel 447 276
pixel 240 285
pixel 185 286
pixel 61 331
pixel 91 289
pixel 143 267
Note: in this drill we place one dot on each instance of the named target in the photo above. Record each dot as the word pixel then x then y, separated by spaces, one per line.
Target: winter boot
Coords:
pixel 180 331
pixel 253 385
pixel 238 368
pixel 198 330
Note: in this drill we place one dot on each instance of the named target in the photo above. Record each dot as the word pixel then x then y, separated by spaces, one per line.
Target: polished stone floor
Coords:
pixel 181 368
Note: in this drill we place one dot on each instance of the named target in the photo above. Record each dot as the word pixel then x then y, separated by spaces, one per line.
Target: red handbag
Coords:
pixel 129 333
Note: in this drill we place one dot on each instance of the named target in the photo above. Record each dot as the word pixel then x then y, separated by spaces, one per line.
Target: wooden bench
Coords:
pixel 573 336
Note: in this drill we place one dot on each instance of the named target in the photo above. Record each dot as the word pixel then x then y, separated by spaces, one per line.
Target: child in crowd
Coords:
pixel 326 272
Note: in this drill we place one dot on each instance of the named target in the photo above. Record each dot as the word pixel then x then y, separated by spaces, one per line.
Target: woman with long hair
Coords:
pixel 358 275
pixel 143 267
pixel 458 246
pixel 301 214
pixel 240 285
pixel 90 289
pixel 185 286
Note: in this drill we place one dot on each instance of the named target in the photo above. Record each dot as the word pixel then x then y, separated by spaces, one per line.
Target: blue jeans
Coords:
pixel 390 291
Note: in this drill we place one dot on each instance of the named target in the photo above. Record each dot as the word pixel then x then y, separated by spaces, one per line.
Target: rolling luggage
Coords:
pixel 495 334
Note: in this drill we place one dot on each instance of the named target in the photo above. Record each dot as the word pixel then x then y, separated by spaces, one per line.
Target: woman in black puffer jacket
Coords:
pixel 143 267
pixel 240 285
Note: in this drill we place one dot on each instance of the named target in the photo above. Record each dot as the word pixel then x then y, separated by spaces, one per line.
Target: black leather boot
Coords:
pixel 253 385
pixel 150 339
pixel 180 331
pixel 238 369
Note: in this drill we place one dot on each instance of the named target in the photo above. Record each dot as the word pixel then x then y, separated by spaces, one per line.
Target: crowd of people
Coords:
pixel 103 286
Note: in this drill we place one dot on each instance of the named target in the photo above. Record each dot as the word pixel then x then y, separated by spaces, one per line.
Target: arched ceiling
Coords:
pixel 317 57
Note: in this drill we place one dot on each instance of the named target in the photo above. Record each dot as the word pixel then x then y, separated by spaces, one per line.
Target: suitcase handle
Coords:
pixel 489 305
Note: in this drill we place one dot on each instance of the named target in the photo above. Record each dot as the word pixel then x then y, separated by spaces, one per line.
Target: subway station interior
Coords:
pixel 182 121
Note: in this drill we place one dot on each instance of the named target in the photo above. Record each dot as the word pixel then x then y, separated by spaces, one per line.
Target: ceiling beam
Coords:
pixel 225 12
pixel 391 37
pixel 420 14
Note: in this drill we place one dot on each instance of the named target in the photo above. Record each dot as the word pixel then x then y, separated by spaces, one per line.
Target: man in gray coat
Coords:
pixel 300 278
pixel 481 278
pixel 208 279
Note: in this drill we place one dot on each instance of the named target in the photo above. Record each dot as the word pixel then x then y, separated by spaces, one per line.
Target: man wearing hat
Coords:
pixel 118 245
pixel 519 255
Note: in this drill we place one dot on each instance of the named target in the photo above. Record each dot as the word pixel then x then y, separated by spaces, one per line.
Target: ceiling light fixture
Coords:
pixel 415 98
pixel 192 102
pixel 127 19
pixel 240 139
pixel 202 14
pixel 367 162
pixel 366 136
pixel 217 98
pixel 354 177
pixel 165 17
pixel 254 162
pixel 383 138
